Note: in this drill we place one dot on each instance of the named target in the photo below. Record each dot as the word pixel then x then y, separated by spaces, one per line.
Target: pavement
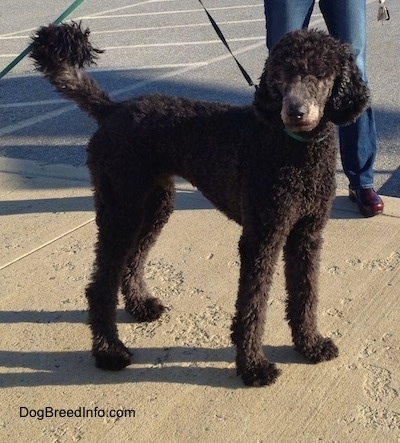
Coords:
pixel 182 385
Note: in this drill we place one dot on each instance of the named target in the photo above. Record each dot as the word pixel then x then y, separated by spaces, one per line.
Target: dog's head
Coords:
pixel 308 78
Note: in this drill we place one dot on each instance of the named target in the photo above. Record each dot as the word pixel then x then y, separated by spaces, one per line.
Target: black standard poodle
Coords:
pixel 269 166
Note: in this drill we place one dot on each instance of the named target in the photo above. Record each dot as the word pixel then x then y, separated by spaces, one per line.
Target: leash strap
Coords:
pixel 222 38
pixel 26 51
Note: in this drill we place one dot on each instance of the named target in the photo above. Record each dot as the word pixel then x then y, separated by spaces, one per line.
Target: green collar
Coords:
pixel 301 139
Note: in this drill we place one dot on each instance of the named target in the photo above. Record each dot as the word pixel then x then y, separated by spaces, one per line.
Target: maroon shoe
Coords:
pixel 368 201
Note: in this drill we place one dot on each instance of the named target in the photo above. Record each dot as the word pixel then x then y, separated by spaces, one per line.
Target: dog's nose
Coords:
pixel 296 112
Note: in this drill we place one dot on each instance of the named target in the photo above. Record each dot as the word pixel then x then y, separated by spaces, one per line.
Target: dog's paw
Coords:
pixel 112 358
pixel 318 350
pixel 260 373
pixel 148 309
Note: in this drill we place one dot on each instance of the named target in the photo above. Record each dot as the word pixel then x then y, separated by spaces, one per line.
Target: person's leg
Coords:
pixel 346 21
pixel 283 16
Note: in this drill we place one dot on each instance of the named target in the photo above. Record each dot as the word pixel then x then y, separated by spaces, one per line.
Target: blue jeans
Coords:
pixel 346 21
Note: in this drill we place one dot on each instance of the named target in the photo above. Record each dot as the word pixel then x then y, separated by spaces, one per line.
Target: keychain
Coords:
pixel 383 12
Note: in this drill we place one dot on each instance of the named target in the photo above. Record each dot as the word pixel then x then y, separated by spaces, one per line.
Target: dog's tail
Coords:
pixel 60 52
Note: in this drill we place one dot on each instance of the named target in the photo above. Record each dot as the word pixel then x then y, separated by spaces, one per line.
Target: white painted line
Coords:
pixel 16 33
pixel 180 71
pixel 35 120
pixel 137 68
pixel 35 103
pixel 80 18
pixel 17 37
pixel 172 44
pixel 157 28
pixel 197 42
pixel 49 115
pixel 189 25
pixel 99 15
pixel 122 8
pixel 180 11
pixel 20 140
pixel 170 66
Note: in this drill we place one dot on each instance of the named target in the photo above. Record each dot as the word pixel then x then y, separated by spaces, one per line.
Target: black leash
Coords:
pixel 221 36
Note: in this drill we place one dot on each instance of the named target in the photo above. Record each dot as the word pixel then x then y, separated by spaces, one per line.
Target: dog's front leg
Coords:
pixel 258 255
pixel 302 256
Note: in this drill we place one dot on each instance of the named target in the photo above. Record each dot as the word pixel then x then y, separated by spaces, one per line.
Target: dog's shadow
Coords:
pixel 203 366
pixel 181 365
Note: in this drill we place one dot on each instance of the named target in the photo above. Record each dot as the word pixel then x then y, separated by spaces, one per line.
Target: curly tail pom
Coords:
pixel 56 45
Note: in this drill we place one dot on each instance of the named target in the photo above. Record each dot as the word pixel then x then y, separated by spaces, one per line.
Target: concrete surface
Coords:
pixel 182 386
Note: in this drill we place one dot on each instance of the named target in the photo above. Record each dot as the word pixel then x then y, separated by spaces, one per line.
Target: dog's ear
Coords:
pixel 267 98
pixel 350 94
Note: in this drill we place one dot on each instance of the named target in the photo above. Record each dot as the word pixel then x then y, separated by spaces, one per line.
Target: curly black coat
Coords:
pixel 269 166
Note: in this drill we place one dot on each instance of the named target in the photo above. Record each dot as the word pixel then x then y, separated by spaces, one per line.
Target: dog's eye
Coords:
pixel 280 84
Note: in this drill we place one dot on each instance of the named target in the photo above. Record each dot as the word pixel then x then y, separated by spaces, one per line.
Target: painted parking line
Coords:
pixel 182 69
pixel 10 129
pixel 195 43
pixel 173 12
pixel 101 15
pixel 155 28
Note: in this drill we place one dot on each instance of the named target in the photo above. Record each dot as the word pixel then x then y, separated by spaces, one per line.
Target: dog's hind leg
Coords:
pixel 119 219
pixel 157 209
pixel 302 256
